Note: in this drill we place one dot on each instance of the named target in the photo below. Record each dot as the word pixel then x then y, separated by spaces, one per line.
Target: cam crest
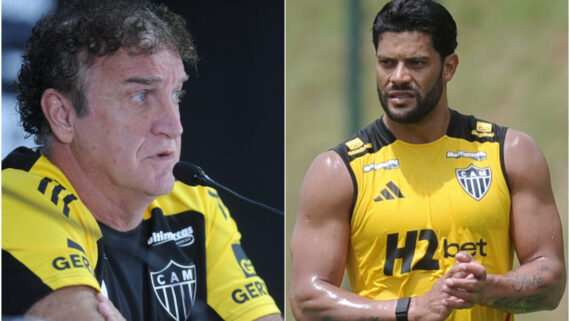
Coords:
pixel 474 180
pixel 175 289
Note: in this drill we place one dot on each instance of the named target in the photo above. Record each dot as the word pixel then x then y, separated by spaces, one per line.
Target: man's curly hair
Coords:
pixel 65 43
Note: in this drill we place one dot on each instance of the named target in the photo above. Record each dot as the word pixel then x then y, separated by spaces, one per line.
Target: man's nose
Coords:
pixel 167 121
pixel 401 74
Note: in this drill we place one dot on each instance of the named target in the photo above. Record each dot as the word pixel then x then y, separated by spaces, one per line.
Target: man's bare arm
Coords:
pixel 319 245
pixel 539 282
pixel 536 230
pixel 319 249
pixel 74 303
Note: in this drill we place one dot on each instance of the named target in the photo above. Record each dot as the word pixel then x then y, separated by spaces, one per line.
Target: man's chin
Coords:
pixel 401 113
pixel 161 186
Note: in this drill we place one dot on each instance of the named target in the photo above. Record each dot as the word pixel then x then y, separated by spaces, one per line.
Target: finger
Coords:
pixel 469 297
pixel 106 311
pixel 463 257
pixel 456 303
pixel 456 274
pixel 464 284
pixel 460 297
pixel 475 270
pixel 466 270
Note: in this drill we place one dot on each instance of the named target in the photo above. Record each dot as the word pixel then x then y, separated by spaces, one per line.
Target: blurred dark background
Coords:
pixel 233 116
pixel 233 111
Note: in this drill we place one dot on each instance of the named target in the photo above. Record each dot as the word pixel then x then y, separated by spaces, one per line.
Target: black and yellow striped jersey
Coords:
pixel 417 205
pixel 183 262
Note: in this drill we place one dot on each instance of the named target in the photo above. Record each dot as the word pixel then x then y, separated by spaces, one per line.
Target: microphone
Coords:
pixel 193 175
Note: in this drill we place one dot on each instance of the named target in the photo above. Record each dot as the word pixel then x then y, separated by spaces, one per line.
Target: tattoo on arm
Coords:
pixel 534 285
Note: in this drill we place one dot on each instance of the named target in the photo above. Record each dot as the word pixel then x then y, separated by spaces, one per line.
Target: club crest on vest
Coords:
pixel 175 288
pixel 474 180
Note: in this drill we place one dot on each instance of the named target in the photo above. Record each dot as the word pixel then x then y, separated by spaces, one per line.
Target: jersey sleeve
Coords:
pixel 235 290
pixel 46 244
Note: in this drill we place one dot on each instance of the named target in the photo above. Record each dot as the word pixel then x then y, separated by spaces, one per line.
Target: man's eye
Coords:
pixel 177 96
pixel 140 97
pixel 417 63
pixel 386 62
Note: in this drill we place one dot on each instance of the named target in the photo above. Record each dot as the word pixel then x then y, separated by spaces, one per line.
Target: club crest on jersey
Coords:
pixel 474 180
pixel 175 288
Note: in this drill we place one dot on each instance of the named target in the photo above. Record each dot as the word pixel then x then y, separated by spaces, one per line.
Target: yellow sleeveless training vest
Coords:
pixel 417 205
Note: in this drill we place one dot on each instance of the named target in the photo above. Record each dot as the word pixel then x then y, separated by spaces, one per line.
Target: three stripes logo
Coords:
pixel 389 193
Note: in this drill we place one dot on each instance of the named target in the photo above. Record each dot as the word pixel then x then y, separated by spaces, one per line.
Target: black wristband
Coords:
pixel 402 309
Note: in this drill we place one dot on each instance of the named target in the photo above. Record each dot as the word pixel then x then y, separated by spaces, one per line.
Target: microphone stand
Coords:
pixel 244 199
pixel 192 175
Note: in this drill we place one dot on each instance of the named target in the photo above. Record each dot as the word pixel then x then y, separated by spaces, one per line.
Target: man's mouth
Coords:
pixel 164 155
pixel 398 97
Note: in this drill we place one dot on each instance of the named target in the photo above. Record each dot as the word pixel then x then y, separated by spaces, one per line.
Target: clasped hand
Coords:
pixel 461 288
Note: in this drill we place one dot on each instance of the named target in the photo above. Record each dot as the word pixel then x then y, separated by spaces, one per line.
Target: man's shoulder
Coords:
pixel 21 158
pixel 474 128
pixel 366 140
pixel 27 175
pixel 21 180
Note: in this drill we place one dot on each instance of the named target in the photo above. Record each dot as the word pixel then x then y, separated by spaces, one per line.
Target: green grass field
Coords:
pixel 513 70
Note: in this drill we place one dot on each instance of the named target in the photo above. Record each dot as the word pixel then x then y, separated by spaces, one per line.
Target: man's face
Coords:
pixel 130 139
pixel 408 75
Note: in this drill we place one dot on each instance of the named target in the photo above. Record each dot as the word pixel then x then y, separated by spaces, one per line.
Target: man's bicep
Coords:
pixel 535 222
pixel 321 236
pixel 75 303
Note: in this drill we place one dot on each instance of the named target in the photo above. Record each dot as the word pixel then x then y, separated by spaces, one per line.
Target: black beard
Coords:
pixel 424 104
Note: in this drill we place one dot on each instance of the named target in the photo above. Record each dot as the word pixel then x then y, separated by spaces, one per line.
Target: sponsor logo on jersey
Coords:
pixel 479 155
pixel 483 129
pixel 389 193
pixel 389 164
pixel 249 291
pixel 356 145
pixel 420 249
pixel 182 238
pixel 474 180
pixel 175 288
pixel 244 263
pixel 72 261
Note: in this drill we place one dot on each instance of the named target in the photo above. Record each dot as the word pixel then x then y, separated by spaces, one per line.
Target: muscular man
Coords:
pixel 426 206
pixel 94 225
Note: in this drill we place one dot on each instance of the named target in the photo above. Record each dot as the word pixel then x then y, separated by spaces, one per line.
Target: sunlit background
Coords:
pixel 513 70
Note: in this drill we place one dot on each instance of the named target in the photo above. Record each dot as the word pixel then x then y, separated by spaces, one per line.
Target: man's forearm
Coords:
pixel 74 303
pixel 323 301
pixel 537 285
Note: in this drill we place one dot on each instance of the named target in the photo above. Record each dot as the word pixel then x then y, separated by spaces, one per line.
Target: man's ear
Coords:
pixel 59 112
pixel 450 66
